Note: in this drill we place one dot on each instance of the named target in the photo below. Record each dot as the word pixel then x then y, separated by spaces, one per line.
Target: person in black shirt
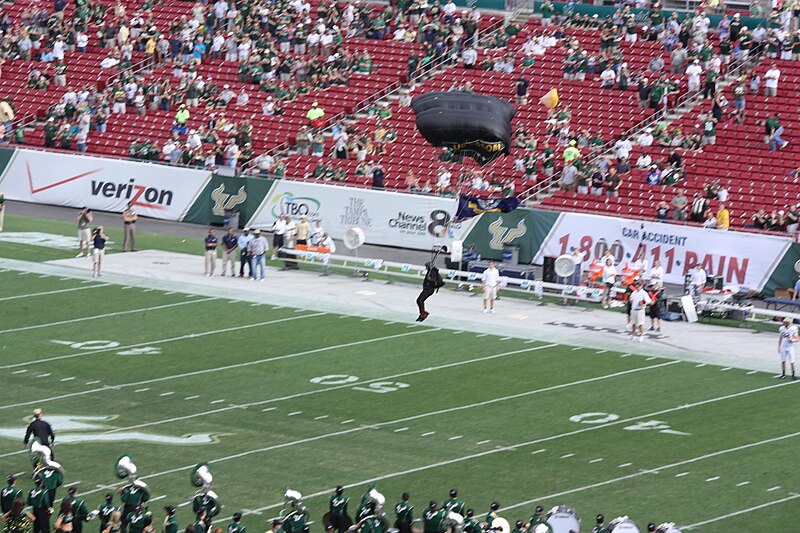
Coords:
pixel 40 430
pixel 99 239
pixel 430 284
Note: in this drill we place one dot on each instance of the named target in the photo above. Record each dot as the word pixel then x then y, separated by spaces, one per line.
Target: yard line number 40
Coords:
pixel 379 387
pixel 645 425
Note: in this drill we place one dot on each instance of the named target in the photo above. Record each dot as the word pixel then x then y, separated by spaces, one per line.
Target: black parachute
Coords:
pixel 469 124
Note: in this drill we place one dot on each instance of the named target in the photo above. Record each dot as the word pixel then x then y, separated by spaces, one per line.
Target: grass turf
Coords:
pixel 275 397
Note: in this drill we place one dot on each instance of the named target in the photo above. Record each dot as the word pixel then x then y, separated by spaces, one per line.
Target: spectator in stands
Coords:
pixel 711 221
pixel 521 86
pixel 571 153
pixel 693 73
pixel 182 115
pixel 315 115
pixel 607 78
pixel 678 59
pixel 644 161
pixel 378 175
pixel 569 176
pixel 723 218
pixel 679 204
pixel 699 208
pixel 759 220
pixel 643 90
pixel 469 57
pixel 613 183
pixel 773 131
pixel 662 211
pixel 771 78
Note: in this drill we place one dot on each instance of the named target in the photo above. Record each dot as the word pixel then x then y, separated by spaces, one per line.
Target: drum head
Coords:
pixel 623 525
pixel 563 519
pixel 667 528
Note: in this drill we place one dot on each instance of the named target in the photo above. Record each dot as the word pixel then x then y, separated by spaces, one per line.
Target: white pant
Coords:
pixel 787 354
pixel 211 261
pixel 229 257
pixel 489 293
pixel 637 317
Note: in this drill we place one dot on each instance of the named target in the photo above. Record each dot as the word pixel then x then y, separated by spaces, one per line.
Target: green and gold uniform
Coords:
pixel 105 514
pixel 405 515
pixel 7 497
pixel 236 527
pixel 136 522
pixel 454 504
pixel 372 525
pixel 472 526
pixel 171 524
pixel 338 503
pixel 540 519
pixel 294 523
pixel 434 520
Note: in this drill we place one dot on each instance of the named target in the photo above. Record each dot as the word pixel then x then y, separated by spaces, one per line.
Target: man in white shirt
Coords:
pixel 646 138
pixel 787 338
pixel 609 279
pixel 469 57
pixel 278 233
pixel 656 275
pixel 693 71
pixel 443 181
pixel 490 280
pixel 771 80
pixel 607 78
pixel 644 161
pixel 327 242
pixel 622 148
pixel 697 281
pixel 639 299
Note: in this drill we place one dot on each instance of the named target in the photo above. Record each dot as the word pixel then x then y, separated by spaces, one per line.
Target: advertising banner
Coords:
pixel 742 259
pixel 226 193
pixel 387 218
pixel 101 184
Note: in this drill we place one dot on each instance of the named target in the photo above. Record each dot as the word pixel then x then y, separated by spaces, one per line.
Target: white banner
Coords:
pixel 387 218
pixel 101 184
pixel 741 259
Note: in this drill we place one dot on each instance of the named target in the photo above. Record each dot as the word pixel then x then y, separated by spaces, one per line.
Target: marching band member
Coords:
pixel 405 514
pixel 454 504
pixel 434 519
pixel 338 509
pixel 170 522
pixel 9 494
pixel 471 525
pixel 236 526
pixel 106 510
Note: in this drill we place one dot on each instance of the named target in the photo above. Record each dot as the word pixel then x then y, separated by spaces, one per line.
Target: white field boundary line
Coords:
pixel 514 447
pixel 413 417
pixel 159 341
pixel 105 315
pixel 223 368
pixel 741 512
pixel 59 291
pixel 655 470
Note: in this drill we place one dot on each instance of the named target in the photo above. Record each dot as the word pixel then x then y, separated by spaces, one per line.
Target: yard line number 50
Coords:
pixel 379 387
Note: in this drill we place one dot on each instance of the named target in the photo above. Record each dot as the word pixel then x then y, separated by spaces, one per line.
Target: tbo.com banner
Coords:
pixel 387 218
pixel 156 191
pixel 739 258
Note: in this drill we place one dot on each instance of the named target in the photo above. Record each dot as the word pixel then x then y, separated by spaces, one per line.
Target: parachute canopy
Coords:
pixel 469 124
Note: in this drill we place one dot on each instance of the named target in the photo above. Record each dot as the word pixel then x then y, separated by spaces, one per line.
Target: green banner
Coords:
pixel 225 193
pixel 784 276
pixel 5 158
pixel 526 228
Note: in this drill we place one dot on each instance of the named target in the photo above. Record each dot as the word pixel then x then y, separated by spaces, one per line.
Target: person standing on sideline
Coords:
pixel 490 280
pixel 656 275
pixel 236 524
pixel 2 210
pixel 303 230
pixel 258 249
pixel 170 522
pixel 244 253
pixel 229 245
pixel 106 510
pixel 99 239
pixel 40 430
pixel 80 512
pixel 9 494
pixel 431 283
pixel 609 279
pixel 327 242
pixel 40 503
pixel 697 282
pixel 657 295
pixel 337 506
pixel 787 338
pixel 278 233
pixel 639 301
pixel 129 218
pixel 84 219
pixel 211 252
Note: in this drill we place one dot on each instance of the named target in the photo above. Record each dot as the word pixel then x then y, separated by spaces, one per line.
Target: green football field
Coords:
pixel 274 397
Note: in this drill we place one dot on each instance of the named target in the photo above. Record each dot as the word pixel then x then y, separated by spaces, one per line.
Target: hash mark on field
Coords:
pixel 752 372
pixel 456 437
pixel 743 483
pixel 349 420
pixel 624 465
pixel 26 273
pixel 600 351
pixel 142 390
pixel 276 307
pixel 599 459
pixel 725 369
pixel 301 310
pixel 126 287
pixel 457 332
pixel 43 375
pixel 148 290
pixel 712 479
pixel 506 338
pixel 388 323
pixel 320 417
pixel 542 450
pixel 398 430
pixel 295 413
pixel 93 382
pixel 191 397
pixel 428 434
pixel 412 325
pixel 701 365
pixel 44 276
pixel 530 341
pixel 217 401
pixel 255 305
pixel 59 279
pixel 366 320
pixel 568 455
pixel 168 293
pixel 651 358
pixel 268 409
pixel 682 474
pixel 773 489
pixel 575 349
pixel 626 355
pixel 484 442
pixel 19 371
pixel 166 394
pixel 68 379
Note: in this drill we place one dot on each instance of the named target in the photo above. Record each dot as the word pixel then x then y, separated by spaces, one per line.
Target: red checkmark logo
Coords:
pixel 43 188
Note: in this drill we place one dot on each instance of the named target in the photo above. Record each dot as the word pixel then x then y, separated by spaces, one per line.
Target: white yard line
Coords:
pixel 741 512
pixel 104 315
pixel 223 368
pixel 160 341
pixel 59 291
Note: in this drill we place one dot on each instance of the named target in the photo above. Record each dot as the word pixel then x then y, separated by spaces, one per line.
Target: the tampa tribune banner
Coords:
pixel 101 184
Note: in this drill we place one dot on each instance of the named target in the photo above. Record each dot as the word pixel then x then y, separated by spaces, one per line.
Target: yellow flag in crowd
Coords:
pixel 550 100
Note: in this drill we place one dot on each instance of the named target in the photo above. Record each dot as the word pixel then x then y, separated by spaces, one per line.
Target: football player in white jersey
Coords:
pixel 788 337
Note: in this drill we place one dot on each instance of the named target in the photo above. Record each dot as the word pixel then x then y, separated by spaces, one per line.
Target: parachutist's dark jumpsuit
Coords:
pixel 428 288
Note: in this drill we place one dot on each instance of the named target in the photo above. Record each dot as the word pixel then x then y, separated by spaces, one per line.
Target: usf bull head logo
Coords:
pixel 223 201
pixel 501 235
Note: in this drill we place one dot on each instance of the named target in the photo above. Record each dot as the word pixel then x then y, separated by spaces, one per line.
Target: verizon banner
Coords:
pixel 387 218
pixel 156 191
pixel 742 259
